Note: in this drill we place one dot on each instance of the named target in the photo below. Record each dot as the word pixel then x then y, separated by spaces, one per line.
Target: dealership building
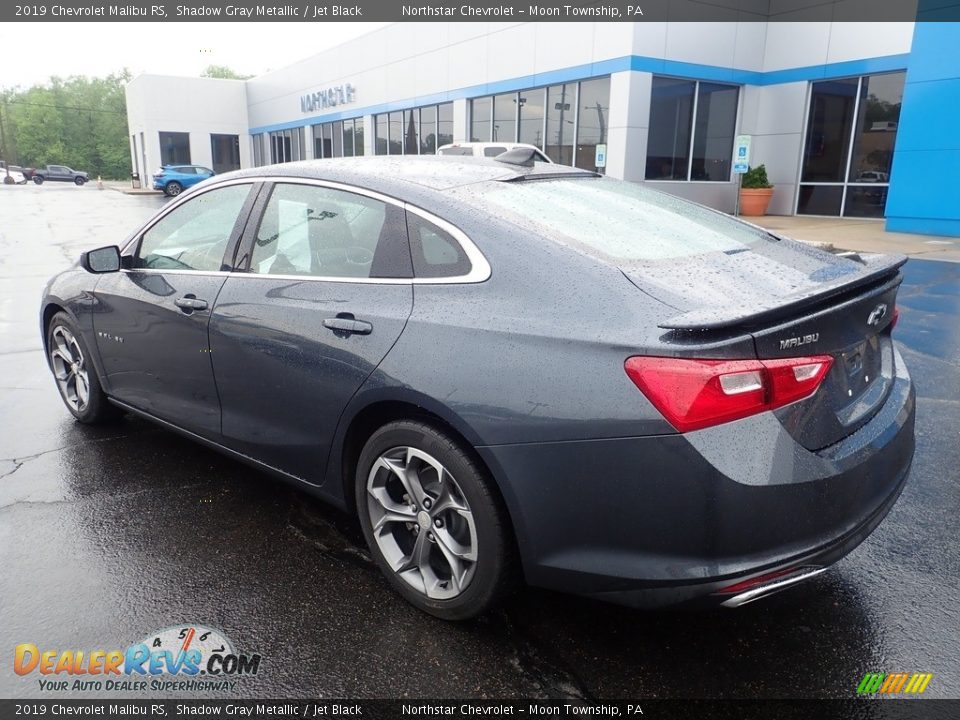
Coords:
pixel 851 119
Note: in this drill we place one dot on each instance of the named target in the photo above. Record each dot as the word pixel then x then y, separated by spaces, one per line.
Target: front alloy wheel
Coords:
pixel 75 374
pixel 433 520
pixel 70 369
pixel 422 523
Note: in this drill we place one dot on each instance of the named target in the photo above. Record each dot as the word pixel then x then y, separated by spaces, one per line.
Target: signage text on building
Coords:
pixel 328 98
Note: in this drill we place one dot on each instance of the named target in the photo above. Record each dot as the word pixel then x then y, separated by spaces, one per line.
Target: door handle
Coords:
pixel 348 325
pixel 189 303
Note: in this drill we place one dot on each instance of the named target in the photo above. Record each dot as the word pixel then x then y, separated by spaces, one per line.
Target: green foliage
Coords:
pixel 756 177
pixel 76 121
pixel 223 73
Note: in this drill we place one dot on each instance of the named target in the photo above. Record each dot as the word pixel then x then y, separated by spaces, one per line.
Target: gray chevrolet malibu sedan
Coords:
pixel 509 371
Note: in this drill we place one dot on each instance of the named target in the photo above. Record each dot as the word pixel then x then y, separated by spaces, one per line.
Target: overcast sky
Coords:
pixel 31 52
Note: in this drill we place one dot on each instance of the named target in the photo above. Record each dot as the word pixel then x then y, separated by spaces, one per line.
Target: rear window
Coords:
pixel 617 220
pixel 436 254
pixel 494 151
pixel 456 151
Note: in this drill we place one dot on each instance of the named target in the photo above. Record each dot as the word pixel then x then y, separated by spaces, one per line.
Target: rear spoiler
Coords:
pixel 876 268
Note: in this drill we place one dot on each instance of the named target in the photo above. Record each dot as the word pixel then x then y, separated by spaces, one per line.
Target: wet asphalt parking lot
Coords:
pixel 111 532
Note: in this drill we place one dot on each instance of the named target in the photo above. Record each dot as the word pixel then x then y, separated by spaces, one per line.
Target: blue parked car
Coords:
pixel 174 179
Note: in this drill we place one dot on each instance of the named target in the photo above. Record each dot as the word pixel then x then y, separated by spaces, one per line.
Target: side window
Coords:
pixel 435 252
pixel 322 232
pixel 494 151
pixel 195 235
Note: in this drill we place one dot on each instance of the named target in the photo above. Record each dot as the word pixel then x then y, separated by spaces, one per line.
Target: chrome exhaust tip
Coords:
pixel 766 585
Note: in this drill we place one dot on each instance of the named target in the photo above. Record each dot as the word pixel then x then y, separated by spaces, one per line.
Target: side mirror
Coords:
pixel 101 260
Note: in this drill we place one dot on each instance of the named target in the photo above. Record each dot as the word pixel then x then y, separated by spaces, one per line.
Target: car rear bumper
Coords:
pixel 661 520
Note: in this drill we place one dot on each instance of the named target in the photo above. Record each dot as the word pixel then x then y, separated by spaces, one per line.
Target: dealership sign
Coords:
pixel 331 97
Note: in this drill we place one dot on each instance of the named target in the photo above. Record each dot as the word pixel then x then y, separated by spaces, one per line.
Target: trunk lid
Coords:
pixel 794 301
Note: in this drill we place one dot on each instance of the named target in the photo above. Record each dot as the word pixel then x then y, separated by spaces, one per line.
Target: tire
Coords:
pixel 38 179
pixel 72 366
pixel 79 181
pixel 173 188
pixel 462 517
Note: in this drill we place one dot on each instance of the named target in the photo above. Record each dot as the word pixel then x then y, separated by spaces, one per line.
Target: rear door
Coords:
pixel 326 293
pixel 151 318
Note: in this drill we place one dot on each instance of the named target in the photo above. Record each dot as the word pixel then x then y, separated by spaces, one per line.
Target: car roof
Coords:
pixel 396 174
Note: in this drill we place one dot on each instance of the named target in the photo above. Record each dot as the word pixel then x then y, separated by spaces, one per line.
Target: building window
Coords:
pixel 287 145
pixel 395 128
pixel 481 114
pixel 593 108
pixel 174 148
pixel 381 140
pixel 343 138
pixel 428 130
pixel 417 131
pixel 692 126
pixel 851 131
pixel 225 152
pixel 555 119
pixel 561 115
pixel 257 142
pixel 531 108
pixel 505 118
pixel 358 147
pixel 444 124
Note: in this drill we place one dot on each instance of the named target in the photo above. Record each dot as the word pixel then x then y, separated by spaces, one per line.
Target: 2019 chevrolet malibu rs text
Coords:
pixel 509 371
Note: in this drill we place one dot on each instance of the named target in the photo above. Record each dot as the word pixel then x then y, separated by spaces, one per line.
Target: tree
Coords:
pixel 77 121
pixel 222 72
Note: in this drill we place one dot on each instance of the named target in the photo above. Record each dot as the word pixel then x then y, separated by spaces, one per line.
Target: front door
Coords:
pixel 327 294
pixel 151 320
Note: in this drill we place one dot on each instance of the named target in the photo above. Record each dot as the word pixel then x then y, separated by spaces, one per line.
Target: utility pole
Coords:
pixel 3 142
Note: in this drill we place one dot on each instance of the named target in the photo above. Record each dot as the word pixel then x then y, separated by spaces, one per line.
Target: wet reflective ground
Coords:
pixel 108 533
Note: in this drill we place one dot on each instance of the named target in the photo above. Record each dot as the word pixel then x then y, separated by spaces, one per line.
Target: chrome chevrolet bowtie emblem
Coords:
pixel 877 314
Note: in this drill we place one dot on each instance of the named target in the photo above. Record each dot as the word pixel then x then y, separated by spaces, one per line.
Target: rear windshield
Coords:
pixel 620 221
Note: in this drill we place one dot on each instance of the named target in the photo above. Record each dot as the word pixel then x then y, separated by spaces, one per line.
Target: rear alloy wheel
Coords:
pixel 76 377
pixel 433 525
pixel 173 188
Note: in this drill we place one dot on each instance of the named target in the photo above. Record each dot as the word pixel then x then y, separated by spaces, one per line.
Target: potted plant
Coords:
pixel 755 191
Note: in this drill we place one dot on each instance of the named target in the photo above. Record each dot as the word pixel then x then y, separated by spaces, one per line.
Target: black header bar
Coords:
pixel 52 707
pixel 482 10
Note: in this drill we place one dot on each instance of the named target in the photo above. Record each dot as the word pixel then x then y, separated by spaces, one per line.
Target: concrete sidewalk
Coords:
pixel 862 235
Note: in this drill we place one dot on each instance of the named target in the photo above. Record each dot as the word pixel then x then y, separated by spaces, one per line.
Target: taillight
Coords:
pixel 693 394
pixel 896 316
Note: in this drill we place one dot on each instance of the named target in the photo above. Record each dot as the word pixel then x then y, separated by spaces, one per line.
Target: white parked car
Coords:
pixel 489 149
pixel 16 177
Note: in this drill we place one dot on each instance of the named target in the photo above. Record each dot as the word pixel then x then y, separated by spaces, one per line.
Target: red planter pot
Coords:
pixel 754 201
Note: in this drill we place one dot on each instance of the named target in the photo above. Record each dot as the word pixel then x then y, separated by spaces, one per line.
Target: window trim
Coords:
pixel 479 267
pixel 131 247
